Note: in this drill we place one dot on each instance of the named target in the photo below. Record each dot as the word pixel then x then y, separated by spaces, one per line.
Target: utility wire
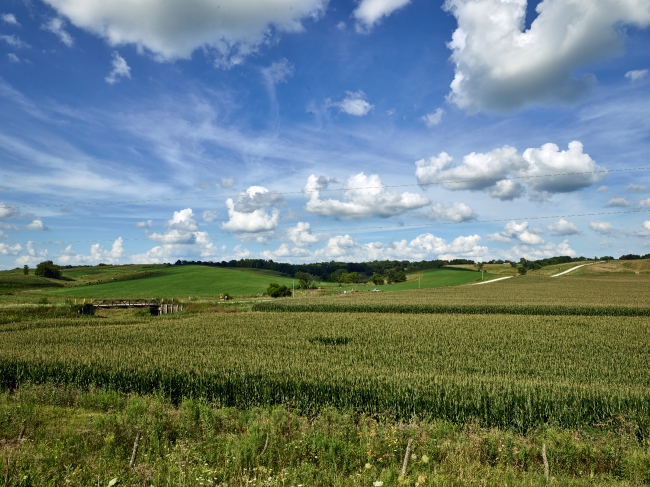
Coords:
pixel 437 183
pixel 347 229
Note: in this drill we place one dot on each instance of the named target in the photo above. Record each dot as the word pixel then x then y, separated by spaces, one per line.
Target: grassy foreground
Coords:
pixel 54 436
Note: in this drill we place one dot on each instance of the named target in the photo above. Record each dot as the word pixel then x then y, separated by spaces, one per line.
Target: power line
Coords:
pixel 347 229
pixel 437 183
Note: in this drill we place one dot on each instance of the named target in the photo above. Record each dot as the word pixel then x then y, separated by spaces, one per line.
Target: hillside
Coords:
pixel 168 281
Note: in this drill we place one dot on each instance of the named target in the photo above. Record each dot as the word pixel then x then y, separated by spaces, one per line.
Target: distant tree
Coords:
pixel 377 279
pixel 522 270
pixel 513 264
pixel 337 275
pixel 395 275
pixel 306 279
pixel 25 269
pixel 48 269
pixel 276 290
pixel 350 278
pixel 480 266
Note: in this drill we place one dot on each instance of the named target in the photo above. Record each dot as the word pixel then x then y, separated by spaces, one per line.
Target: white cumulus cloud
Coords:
pixel 182 229
pixel 540 252
pixel 365 197
pixel 8 249
pixel 434 118
pixel 250 215
pixel 301 235
pixel 500 66
pixel 370 12
pixel 146 224
pixel 9 19
pixel 181 239
pixel 231 29
pixel 544 170
pixel 563 228
pixel 344 248
pixel 636 188
pixel 97 254
pixel 120 69
pixel 32 257
pixel 7 211
pixel 518 231
pixel 209 216
pixel 601 227
pixel 57 27
pixel 354 103
pixel 455 212
pixel 617 203
pixel 644 204
pixel 36 225
pixel 636 74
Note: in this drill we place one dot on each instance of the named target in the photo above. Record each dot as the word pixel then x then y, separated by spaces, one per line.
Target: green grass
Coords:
pixel 182 281
pixel 429 279
pixel 176 281
pixel 79 437
pixel 14 281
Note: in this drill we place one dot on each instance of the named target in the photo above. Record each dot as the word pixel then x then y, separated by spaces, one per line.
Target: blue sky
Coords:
pixel 308 130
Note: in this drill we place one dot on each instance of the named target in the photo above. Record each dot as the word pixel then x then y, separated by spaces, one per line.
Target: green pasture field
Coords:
pixel 161 281
pixel 430 278
pixel 177 281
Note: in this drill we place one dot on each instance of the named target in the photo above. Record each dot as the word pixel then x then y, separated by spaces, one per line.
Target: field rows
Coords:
pixel 501 370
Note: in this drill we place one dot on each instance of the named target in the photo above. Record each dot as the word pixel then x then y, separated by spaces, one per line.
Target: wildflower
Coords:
pixel 422 479
pixel 424 459
pixel 377 483
pixel 367 466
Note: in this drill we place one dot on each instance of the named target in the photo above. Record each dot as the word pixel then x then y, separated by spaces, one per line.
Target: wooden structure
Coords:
pixel 155 308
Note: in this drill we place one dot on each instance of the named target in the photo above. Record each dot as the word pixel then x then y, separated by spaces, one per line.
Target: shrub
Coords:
pixel 276 290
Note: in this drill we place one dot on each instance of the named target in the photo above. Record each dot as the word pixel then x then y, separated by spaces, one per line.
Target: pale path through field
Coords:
pixel 493 280
pixel 574 268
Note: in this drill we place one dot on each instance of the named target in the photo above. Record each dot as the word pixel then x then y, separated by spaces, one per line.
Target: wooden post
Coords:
pixel 406 458
pixel 546 468
pixel 135 450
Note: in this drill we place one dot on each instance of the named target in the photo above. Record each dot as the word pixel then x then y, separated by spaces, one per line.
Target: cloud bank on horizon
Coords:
pixel 305 130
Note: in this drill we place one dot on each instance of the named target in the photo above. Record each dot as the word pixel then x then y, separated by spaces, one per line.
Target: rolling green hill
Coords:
pixel 179 281
pixel 176 281
pixel 430 278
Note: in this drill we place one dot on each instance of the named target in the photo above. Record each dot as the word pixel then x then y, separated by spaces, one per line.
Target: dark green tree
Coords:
pixel 26 269
pixel 307 280
pixel 377 279
pixel 395 275
pixel 48 269
pixel 522 270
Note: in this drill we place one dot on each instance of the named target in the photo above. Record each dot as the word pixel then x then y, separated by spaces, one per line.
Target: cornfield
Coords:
pixel 550 310
pixel 506 370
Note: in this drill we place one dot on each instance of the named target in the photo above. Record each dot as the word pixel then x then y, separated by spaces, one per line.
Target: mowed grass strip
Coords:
pixel 499 370
pixel 180 281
